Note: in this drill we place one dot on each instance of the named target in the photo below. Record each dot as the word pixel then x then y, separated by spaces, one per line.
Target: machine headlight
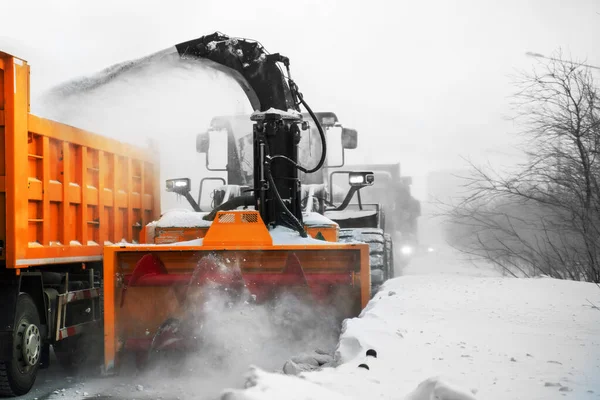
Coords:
pixel 179 185
pixel 361 178
pixel 357 179
pixel 406 250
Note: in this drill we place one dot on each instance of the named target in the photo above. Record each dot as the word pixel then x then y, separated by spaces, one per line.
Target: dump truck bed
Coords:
pixel 65 192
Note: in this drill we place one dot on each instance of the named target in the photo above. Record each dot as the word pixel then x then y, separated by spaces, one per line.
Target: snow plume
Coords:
pixel 236 334
pixel 161 97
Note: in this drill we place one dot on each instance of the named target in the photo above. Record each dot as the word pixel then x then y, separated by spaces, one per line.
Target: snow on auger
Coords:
pixel 86 262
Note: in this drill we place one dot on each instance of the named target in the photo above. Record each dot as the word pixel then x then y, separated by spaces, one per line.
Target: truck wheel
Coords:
pixel 77 352
pixel 18 375
pixel 374 237
pixel 389 256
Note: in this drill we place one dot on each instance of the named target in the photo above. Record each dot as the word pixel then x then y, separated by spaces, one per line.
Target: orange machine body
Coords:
pixel 136 302
pixel 65 192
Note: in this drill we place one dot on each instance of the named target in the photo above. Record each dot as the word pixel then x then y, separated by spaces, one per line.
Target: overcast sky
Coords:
pixel 424 82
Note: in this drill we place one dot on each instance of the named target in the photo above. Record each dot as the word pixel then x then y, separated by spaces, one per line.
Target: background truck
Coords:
pixel 64 194
pixel 387 205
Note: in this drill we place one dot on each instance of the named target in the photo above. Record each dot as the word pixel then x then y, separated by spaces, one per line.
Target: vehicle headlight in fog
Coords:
pixel 406 250
pixel 180 185
pixel 359 178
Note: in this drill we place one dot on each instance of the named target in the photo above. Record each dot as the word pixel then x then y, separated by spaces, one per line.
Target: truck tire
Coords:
pixel 389 256
pixel 18 375
pixel 374 237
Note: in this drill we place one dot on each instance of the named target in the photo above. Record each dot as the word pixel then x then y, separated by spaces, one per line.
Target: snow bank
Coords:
pixel 267 386
pixel 461 337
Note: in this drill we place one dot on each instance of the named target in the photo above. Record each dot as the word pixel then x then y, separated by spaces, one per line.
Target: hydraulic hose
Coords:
pixel 319 165
pixel 321 134
pixel 294 220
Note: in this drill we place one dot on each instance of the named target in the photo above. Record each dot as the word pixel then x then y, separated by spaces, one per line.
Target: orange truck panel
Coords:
pixel 65 192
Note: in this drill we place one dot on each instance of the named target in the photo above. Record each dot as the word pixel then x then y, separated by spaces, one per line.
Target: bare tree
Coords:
pixel 544 217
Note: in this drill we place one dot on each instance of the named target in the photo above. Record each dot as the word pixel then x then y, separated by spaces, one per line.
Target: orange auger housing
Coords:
pixel 149 286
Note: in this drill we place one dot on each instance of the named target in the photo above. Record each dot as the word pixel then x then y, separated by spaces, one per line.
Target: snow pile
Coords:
pixel 315 219
pixel 462 338
pixel 183 219
pixel 285 236
pixel 265 386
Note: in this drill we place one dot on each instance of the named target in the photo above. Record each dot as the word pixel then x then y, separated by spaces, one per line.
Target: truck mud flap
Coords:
pixel 8 303
pixel 6 342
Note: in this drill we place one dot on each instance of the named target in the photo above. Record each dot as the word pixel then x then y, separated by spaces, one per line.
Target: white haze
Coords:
pixel 162 98
pixel 237 335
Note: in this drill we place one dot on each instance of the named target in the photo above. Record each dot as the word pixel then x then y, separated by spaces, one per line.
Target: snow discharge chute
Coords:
pixel 249 64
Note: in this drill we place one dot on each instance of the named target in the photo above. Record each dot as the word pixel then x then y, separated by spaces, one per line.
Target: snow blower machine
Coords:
pixel 258 246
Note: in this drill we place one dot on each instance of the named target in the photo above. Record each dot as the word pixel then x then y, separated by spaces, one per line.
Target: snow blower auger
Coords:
pixel 155 293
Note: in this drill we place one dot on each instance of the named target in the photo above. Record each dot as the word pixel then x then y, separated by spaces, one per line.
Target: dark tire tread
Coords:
pixel 5 389
pixel 389 255
pixel 378 248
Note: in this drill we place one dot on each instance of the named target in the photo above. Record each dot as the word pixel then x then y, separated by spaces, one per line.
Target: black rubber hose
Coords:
pixel 321 134
pixel 241 201
pixel 295 221
pixel 294 88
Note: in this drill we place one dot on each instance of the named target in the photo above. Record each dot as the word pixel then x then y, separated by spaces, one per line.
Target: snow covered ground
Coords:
pixel 447 330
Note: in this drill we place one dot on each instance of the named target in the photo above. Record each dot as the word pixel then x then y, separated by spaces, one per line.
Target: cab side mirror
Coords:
pixel 202 142
pixel 349 138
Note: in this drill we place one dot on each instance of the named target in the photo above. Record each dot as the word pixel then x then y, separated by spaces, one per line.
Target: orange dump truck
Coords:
pixel 87 262
pixel 64 194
